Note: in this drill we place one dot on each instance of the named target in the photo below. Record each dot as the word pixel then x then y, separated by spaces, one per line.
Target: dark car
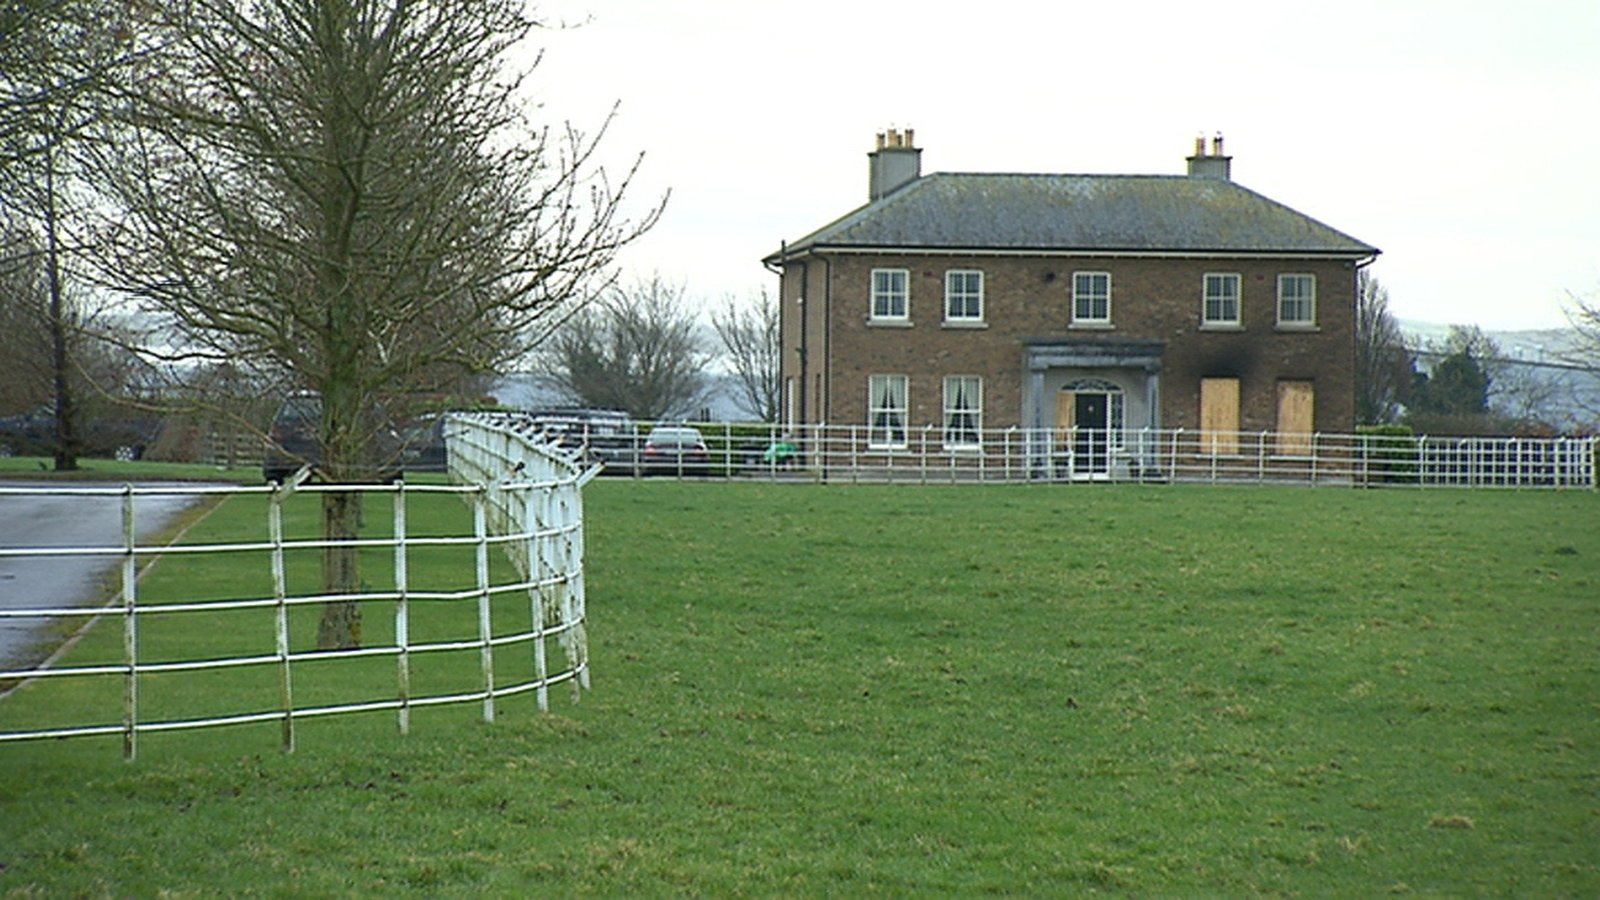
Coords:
pixel 423 446
pixel 293 437
pixel 606 436
pixel 34 434
pixel 675 449
pixel 294 442
pixel 28 434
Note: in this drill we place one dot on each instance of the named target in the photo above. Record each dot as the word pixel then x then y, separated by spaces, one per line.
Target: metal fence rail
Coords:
pixel 525 502
pixel 856 453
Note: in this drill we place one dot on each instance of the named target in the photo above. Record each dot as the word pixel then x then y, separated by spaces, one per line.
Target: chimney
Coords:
pixel 1213 164
pixel 896 163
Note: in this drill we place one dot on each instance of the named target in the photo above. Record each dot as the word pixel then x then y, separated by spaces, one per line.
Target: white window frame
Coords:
pixel 1080 296
pixel 886 297
pixel 1208 299
pixel 1308 300
pixel 957 298
pixel 963 399
pixel 888 411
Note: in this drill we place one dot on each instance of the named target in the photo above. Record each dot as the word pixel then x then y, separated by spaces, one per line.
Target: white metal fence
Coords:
pixel 492 588
pixel 844 453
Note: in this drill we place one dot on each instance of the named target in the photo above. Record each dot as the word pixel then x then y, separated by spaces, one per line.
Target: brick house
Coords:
pixel 1085 305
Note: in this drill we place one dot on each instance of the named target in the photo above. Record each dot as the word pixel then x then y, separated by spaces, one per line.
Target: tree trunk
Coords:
pixel 65 415
pixel 340 627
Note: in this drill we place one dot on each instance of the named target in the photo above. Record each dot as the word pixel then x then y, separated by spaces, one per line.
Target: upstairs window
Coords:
pixel 963 411
pixel 963 295
pixel 1221 301
pixel 886 411
pixel 1091 298
pixel 1297 300
pixel 890 294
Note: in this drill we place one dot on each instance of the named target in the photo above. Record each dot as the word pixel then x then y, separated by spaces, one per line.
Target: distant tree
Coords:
pixel 1384 365
pixel 56 57
pixel 749 336
pixel 1458 384
pixel 637 348
pixel 352 192
pixel 1453 398
pixel 94 368
pixel 1583 313
pixel 24 326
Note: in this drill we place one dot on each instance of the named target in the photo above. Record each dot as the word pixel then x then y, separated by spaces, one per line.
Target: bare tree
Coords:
pixel 636 349
pixel 24 326
pixel 1383 364
pixel 353 191
pixel 1583 355
pixel 1583 314
pixel 749 336
pixel 53 63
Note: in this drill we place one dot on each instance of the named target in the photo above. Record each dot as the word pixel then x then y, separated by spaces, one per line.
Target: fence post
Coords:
pixel 485 633
pixel 855 470
pixel 535 521
pixel 569 504
pixel 130 629
pixel 1006 448
pixel 922 455
pixel 402 610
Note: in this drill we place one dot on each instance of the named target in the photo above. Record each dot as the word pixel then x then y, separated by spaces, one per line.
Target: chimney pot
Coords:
pixel 1213 164
pixel 894 164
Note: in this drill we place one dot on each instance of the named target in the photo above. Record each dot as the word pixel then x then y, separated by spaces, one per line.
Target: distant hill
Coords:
pixel 1529 345
pixel 531 390
pixel 1534 377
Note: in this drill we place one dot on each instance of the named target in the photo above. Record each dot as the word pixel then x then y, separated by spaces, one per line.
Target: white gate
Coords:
pixel 525 502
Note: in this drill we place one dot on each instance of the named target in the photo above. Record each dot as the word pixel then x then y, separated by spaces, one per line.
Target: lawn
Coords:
pixel 803 690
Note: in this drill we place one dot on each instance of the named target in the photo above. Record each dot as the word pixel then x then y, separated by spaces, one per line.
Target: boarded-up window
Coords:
pixel 1219 415
pixel 1296 402
pixel 1066 403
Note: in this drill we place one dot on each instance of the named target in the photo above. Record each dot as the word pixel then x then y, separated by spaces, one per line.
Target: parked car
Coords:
pixel 762 455
pixel 422 445
pixel 122 437
pixel 293 440
pixel 606 436
pixel 417 446
pixel 675 449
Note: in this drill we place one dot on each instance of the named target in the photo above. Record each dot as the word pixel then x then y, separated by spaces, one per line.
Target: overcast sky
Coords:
pixel 1462 138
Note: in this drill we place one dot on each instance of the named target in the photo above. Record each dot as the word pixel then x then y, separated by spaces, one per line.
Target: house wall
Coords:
pixel 1030 299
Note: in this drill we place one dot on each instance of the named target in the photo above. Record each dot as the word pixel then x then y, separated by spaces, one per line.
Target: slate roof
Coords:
pixel 1080 213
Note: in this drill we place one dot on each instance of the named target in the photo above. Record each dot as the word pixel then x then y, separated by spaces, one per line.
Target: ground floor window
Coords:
pixel 1219 416
pixel 1296 408
pixel 963 411
pixel 886 411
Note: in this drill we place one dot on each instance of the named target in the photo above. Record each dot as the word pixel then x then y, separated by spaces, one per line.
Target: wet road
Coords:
pixel 52 582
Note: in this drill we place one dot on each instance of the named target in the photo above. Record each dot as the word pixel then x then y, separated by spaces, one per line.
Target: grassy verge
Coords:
pixel 38 468
pixel 804 690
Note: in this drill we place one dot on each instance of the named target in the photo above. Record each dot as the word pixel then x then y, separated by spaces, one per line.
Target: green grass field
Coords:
pixel 803 690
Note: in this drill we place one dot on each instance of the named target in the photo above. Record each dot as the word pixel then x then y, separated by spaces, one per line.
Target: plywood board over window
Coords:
pixel 1219 416
pixel 1296 408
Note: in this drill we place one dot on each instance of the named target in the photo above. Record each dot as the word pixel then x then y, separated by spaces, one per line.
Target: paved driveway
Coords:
pixel 53 582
